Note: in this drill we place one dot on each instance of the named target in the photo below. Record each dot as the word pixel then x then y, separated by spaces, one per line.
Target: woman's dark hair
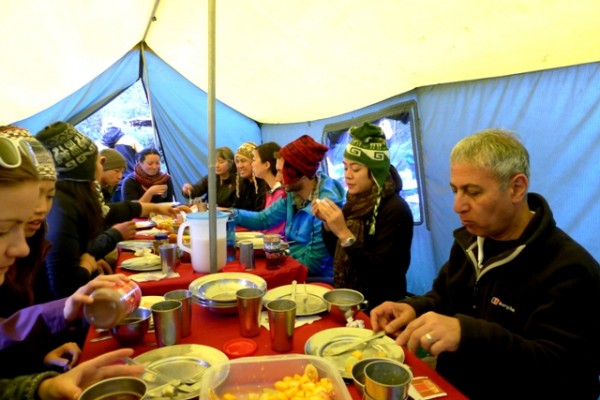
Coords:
pixel 88 200
pixel 266 152
pixel 141 156
pixel 396 179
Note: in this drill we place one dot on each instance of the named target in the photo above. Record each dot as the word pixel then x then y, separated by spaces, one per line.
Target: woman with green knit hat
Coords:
pixel 371 235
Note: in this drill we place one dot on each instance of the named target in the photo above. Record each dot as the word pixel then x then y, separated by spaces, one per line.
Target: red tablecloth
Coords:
pixel 214 330
pixel 290 270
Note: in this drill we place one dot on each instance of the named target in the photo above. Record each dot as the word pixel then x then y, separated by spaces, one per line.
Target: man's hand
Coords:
pixel 391 317
pixel 434 332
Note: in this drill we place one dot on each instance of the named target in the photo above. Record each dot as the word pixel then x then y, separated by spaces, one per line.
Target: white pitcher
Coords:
pixel 200 242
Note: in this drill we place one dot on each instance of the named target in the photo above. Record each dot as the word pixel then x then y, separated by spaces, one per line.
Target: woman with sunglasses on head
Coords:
pixel 19 189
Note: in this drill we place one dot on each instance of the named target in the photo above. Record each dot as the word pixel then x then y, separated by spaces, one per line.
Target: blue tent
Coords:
pixel 553 104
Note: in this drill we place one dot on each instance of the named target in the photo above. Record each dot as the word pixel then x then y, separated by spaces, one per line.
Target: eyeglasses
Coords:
pixel 12 151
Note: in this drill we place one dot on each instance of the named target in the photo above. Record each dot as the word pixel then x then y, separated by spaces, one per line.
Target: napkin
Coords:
pixel 152 276
pixel 305 320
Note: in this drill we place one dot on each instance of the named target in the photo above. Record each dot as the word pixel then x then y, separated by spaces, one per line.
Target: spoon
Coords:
pixel 294 290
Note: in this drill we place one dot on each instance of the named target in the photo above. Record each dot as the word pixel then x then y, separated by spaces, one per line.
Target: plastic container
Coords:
pixel 247 376
pixel 112 305
pixel 199 248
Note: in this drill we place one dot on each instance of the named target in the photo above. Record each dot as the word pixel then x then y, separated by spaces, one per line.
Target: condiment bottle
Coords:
pixel 111 305
pixel 159 240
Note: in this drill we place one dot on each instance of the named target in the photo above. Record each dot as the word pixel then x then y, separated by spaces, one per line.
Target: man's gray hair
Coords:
pixel 496 150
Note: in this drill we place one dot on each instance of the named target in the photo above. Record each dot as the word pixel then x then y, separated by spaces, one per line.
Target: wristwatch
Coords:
pixel 348 241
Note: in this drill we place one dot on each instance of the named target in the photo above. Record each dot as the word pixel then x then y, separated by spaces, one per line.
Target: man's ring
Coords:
pixel 429 338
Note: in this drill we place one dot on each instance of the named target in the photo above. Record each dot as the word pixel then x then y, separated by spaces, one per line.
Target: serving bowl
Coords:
pixel 131 330
pixel 123 387
pixel 343 304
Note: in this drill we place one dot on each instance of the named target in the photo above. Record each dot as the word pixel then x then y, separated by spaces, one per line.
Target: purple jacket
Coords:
pixel 31 323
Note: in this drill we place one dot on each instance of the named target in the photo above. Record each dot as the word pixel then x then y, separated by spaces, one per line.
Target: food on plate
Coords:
pixel 305 386
pixel 358 355
pixel 166 222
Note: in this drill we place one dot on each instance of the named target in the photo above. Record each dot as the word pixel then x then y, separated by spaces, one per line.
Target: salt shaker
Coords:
pixel 247 254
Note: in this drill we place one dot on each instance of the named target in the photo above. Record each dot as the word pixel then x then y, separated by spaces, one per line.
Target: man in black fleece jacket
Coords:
pixel 515 311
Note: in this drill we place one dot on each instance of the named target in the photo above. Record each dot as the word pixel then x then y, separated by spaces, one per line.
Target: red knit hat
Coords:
pixel 302 158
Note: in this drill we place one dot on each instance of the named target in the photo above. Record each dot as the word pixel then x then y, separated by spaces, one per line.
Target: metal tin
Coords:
pixel 247 254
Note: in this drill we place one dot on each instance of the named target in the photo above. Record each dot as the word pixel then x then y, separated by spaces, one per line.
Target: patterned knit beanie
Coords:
pixel 74 154
pixel 302 158
pixel 247 150
pixel 368 147
pixel 43 162
pixel 112 159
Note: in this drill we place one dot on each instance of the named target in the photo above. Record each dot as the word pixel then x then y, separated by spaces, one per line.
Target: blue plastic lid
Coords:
pixel 205 215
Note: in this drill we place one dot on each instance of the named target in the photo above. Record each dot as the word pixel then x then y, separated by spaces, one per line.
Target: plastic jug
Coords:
pixel 199 249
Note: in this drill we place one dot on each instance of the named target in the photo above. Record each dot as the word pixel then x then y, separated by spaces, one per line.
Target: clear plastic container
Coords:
pixel 111 305
pixel 245 377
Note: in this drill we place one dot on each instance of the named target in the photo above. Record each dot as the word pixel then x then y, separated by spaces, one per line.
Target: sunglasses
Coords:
pixel 12 151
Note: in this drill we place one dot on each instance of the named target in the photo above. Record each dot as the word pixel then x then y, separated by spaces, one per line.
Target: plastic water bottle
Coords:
pixel 231 238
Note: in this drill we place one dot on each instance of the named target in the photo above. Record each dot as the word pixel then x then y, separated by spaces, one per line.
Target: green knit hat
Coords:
pixel 369 148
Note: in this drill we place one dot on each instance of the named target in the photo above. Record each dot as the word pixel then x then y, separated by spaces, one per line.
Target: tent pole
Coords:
pixel 212 177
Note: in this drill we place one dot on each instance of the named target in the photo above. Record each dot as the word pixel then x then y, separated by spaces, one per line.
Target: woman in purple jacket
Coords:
pixel 19 189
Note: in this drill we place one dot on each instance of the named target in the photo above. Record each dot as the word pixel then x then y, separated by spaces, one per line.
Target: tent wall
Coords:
pixel 557 115
pixel 179 111
pixel 556 112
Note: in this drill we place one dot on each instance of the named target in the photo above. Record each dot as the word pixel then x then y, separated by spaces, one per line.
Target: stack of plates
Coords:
pixel 216 292
pixel 150 262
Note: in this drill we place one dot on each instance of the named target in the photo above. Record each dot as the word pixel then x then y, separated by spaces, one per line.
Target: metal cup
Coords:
pixel 282 319
pixel 185 297
pixel 249 305
pixel 167 322
pixel 247 254
pixel 387 380
pixel 168 257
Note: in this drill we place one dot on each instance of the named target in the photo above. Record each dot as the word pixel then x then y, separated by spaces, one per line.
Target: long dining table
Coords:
pixel 290 270
pixel 213 329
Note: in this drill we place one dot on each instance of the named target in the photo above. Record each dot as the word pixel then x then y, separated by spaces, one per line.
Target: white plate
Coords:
pixel 144 224
pixel 247 235
pixel 223 285
pixel 133 245
pixel 180 361
pixel 313 294
pixel 384 347
pixel 148 301
pixel 152 263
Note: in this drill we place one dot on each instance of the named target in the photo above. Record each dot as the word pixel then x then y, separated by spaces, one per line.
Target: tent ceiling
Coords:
pixel 284 61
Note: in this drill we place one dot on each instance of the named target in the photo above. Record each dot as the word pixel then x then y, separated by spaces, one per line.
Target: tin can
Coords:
pixel 111 305
pixel 247 254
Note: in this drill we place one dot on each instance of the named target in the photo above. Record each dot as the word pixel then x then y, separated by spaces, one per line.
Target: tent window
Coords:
pixel 130 112
pixel 400 124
